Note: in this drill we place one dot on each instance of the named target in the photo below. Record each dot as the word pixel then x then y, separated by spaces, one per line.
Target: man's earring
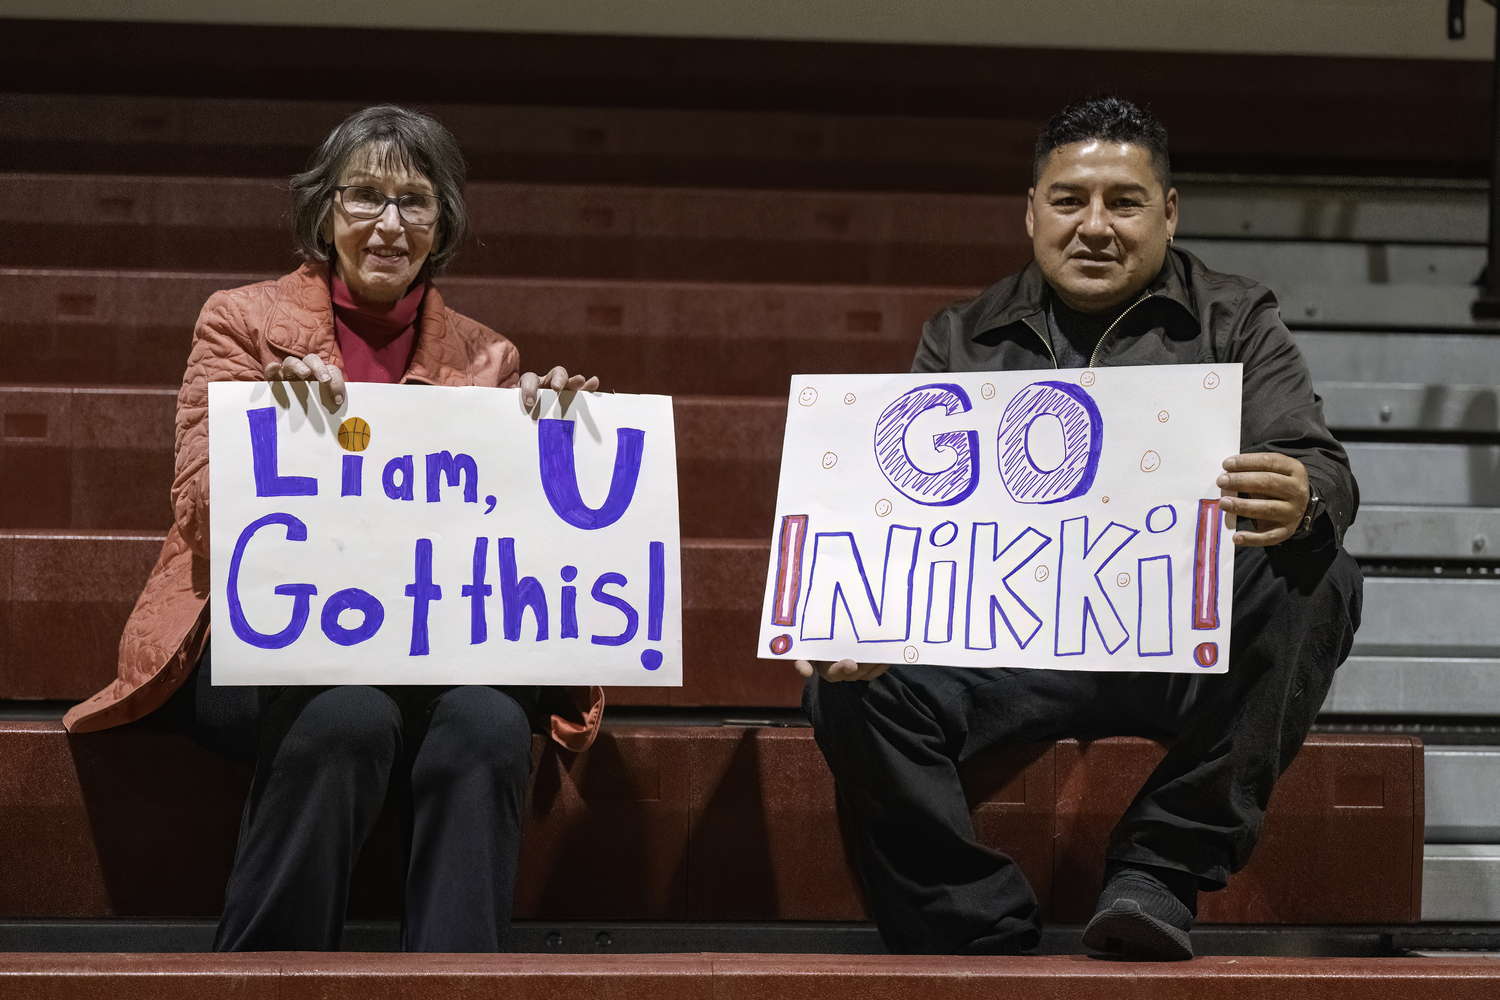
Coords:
pixel 1169 241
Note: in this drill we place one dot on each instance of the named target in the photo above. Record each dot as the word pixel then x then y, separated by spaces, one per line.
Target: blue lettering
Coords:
pixel 268 481
pixel 560 477
pixel 357 600
pixel 632 619
pixel 423 591
pixel 518 595
pixel 442 463
pixel 301 593
pixel 934 489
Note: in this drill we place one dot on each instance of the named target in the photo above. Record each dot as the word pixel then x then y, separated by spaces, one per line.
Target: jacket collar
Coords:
pixel 301 323
pixel 1026 299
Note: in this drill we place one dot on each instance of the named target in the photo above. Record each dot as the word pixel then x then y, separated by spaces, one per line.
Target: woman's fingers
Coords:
pixel 558 380
pixel 309 369
pixel 528 390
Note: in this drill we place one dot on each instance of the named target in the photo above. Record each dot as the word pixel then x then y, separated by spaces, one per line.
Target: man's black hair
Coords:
pixel 1110 119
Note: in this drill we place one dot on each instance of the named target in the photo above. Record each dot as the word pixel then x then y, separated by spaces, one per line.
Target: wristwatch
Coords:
pixel 1311 514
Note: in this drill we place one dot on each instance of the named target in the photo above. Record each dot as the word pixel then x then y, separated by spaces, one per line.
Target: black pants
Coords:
pixel 895 745
pixel 326 759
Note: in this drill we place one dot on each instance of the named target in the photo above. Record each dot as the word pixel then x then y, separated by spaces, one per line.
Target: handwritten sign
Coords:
pixel 1062 519
pixel 429 535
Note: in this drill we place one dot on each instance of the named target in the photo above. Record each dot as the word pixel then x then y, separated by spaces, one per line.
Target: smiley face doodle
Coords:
pixel 808 396
pixel 1087 378
pixel 1123 580
pixel 1150 462
pixel 987 391
pixel 1211 380
pixel 848 399
pixel 1040 574
pixel 882 508
pixel 830 460
pixel 1163 416
pixel 909 654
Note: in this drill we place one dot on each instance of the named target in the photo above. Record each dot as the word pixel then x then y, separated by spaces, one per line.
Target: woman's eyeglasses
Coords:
pixel 368 203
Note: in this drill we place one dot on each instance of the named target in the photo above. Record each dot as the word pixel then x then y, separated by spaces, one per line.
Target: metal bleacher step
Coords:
pixel 673 822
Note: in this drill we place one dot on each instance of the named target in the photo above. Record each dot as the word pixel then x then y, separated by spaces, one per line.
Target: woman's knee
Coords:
pixel 358 725
pixel 476 727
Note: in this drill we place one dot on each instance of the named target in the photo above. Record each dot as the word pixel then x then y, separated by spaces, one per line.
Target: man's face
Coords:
pixel 1099 223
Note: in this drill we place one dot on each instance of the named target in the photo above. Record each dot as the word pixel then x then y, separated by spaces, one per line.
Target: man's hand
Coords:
pixel 309 369
pixel 843 670
pixel 1276 494
pixel 557 380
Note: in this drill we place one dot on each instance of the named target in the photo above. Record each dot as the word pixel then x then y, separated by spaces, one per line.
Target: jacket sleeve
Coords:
pixel 222 351
pixel 1281 413
pixel 932 351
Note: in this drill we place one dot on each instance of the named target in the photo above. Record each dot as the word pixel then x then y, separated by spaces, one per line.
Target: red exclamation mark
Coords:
pixel 789 569
pixel 788 578
pixel 1206 580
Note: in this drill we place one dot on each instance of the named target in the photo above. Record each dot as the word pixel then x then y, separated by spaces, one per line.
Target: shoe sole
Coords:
pixel 1125 931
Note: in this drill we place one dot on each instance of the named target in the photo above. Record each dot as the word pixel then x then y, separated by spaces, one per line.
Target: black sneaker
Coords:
pixel 1139 918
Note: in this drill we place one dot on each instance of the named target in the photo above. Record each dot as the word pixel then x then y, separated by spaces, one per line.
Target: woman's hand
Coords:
pixel 309 369
pixel 557 380
pixel 842 670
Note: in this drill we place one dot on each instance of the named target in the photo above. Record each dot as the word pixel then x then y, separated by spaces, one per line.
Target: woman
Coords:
pixel 378 214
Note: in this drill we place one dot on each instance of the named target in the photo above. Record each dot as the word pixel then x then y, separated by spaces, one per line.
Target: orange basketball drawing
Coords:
pixel 354 435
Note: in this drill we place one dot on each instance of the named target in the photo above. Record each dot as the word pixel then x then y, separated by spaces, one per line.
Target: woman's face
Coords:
pixel 379 258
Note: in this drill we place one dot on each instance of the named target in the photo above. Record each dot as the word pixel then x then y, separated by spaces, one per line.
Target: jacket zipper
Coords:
pixel 1095 355
pixel 1046 342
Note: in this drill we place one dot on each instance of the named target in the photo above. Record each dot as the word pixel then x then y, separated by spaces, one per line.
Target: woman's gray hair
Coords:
pixel 396 137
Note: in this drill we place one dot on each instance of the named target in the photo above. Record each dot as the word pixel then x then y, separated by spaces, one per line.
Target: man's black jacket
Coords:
pixel 1188 315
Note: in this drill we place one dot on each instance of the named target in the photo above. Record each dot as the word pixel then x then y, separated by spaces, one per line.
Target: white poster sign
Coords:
pixel 1063 519
pixel 430 535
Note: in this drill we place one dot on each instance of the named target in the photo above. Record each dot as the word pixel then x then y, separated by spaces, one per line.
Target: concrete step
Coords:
pixel 1467 687
pixel 724 823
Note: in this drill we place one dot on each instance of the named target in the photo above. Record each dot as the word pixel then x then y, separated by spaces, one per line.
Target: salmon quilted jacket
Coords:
pixel 238 333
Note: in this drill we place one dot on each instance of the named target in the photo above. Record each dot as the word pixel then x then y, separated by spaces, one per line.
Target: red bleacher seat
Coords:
pixel 695 823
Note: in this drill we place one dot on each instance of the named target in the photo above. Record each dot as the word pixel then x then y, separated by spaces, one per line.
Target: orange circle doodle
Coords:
pixel 909 654
pixel 1087 378
pixel 1123 580
pixel 1150 462
pixel 987 391
pixel 1040 574
pixel 848 398
pixel 808 396
pixel 830 460
pixel 1211 380
pixel 1163 416
pixel 354 435
pixel 882 508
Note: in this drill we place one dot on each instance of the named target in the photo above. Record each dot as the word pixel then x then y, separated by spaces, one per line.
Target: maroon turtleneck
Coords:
pixel 376 344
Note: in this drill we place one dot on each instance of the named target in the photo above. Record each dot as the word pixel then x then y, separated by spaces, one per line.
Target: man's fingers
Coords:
pixel 1260 539
pixel 1266 483
pixel 872 671
pixel 557 379
pixel 1263 461
pixel 591 384
pixel 804 667
pixel 1257 509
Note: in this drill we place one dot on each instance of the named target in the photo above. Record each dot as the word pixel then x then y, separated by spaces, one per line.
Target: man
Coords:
pixel 1107 288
